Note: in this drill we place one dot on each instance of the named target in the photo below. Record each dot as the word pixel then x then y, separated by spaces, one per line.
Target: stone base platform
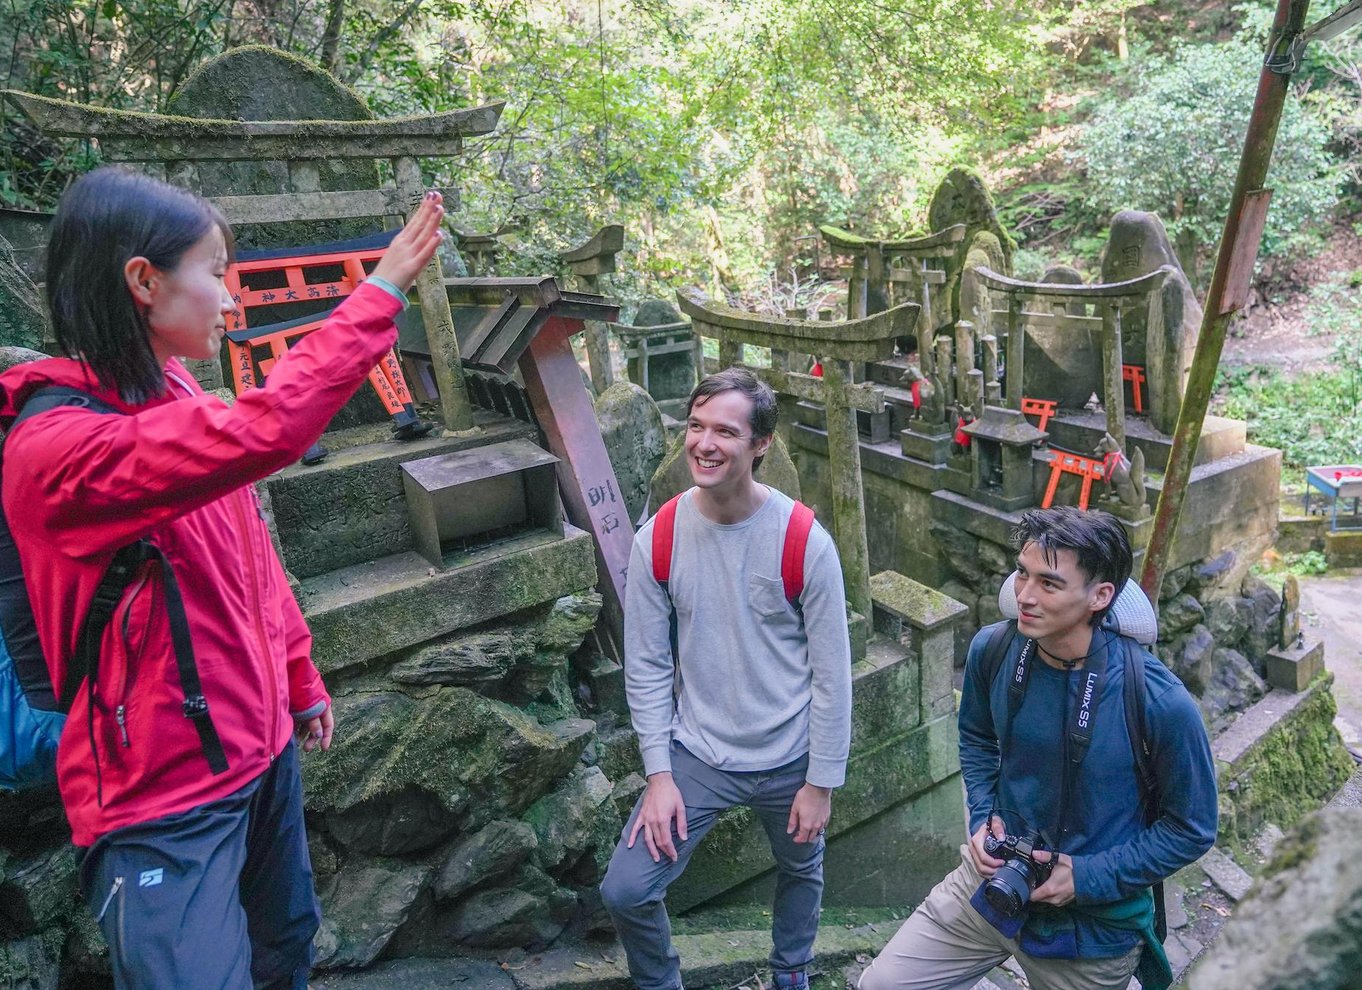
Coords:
pixel 1343 547
pixel 1299 534
pixel 1279 760
pixel 370 610
pixel 1081 430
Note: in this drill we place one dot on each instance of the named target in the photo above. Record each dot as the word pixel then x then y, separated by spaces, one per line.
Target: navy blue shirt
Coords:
pixel 1115 855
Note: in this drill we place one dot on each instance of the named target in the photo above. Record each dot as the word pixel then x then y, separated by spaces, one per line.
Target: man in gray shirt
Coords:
pixel 762 715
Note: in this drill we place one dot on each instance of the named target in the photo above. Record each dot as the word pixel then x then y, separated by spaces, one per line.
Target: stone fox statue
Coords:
pixel 1122 475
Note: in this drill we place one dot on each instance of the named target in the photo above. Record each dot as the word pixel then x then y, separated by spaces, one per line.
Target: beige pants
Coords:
pixel 946 945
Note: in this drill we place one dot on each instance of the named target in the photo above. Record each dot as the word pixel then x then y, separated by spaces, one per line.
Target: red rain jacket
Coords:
pixel 178 469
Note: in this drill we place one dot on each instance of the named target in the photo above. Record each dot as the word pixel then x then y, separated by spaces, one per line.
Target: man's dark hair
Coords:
pixel 1096 538
pixel 764 408
pixel 105 219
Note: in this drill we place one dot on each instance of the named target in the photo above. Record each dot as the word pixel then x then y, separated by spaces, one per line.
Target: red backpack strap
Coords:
pixel 664 525
pixel 792 557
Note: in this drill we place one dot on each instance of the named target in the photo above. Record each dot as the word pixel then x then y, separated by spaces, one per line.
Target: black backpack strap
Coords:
pixel 995 651
pixel 195 704
pixel 1136 729
pixel 55 397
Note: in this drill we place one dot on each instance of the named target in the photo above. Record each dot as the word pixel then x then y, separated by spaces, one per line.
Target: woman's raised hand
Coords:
pixel 414 245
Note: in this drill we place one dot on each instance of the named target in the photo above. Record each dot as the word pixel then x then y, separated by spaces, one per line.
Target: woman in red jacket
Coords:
pixel 184 800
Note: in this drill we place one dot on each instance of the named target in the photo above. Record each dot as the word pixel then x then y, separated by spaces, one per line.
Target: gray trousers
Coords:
pixel 634 886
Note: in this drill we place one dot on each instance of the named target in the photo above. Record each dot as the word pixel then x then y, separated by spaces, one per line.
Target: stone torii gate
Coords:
pixel 1060 302
pixel 836 345
pixel 304 146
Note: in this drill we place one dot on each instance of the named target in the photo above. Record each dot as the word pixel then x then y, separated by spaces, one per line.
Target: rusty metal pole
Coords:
pixel 1230 283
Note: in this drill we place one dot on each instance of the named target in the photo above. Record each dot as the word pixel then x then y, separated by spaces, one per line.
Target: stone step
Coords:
pixel 370 610
pixel 708 960
pixel 351 508
pixel 1226 874
pixel 419 974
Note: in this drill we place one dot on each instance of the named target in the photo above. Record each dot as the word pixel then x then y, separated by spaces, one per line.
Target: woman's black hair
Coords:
pixel 106 218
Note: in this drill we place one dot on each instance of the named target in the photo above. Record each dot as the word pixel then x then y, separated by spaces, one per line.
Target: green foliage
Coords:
pixel 1307 563
pixel 1314 418
pixel 721 135
pixel 1169 139
pixel 1273 567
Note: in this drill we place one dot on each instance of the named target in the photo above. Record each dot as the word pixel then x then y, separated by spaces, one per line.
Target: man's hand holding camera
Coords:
pixel 985 864
pixel 1018 870
pixel 1059 889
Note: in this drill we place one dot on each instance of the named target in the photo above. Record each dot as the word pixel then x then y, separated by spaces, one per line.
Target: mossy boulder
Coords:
pixel 522 659
pixel 635 440
pixel 36 890
pixel 32 963
pixel 1301 926
pixel 363 906
pixel 576 826
pixel 494 850
pixel 530 913
pixel 411 766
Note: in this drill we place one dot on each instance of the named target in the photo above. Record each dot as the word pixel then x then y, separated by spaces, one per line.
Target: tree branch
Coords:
pixel 382 38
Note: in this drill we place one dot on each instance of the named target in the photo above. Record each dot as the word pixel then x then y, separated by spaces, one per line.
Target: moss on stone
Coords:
pixel 1298 848
pixel 32 961
pixel 21 314
pixel 1292 771
pixel 235 61
pixel 912 601
pixel 461 748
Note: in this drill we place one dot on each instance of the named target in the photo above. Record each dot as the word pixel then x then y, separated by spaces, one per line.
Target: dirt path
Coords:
pixel 1329 610
pixel 1282 327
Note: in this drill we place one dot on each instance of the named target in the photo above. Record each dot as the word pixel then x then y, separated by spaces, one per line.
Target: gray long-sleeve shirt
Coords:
pixel 761 683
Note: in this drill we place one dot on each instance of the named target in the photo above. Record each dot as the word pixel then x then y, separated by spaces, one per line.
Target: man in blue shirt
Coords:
pixel 1044 748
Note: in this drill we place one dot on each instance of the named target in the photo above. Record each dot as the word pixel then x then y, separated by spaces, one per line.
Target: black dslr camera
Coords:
pixel 1009 889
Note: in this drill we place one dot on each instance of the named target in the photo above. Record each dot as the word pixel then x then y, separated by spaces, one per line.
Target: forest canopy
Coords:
pixel 720 133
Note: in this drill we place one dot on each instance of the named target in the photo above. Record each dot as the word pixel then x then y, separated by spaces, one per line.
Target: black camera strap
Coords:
pixel 1078 731
pixel 1079 721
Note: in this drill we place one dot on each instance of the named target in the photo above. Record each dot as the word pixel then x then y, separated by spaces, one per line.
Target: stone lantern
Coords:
pixel 1001 441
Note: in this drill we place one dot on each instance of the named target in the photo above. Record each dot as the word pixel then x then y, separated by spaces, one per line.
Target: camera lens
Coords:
pixel 1008 890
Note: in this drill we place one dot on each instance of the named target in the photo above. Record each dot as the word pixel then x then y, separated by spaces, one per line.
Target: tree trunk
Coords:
pixel 331 36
